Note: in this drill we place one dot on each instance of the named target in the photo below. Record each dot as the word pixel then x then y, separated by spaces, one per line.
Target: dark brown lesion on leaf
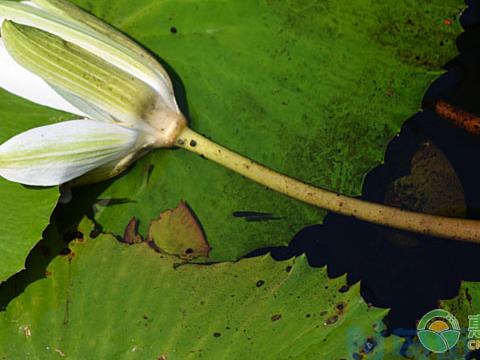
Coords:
pixel 331 320
pixel 340 308
pixel 276 317
pixel 131 235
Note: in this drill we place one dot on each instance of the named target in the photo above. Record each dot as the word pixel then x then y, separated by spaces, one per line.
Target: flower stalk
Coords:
pixel 425 224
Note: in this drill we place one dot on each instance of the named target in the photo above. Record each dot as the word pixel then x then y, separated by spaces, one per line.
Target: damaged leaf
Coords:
pixel 131 235
pixel 253 309
pixel 177 232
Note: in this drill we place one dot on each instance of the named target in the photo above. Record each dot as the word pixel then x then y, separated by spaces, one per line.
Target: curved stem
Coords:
pixel 440 226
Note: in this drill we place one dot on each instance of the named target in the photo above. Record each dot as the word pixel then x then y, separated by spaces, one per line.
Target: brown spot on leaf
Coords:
pixel 178 232
pixel 131 235
pixel 260 283
pixel 331 320
pixel 276 317
pixel 70 256
pixel 340 308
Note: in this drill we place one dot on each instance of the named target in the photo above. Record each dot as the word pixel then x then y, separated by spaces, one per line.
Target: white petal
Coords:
pixel 19 81
pixel 54 154
pixel 30 3
pixel 94 41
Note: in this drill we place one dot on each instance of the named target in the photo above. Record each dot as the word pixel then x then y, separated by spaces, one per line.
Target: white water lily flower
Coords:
pixel 55 54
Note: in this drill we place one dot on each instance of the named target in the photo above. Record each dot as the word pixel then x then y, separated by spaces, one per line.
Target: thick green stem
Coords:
pixel 440 226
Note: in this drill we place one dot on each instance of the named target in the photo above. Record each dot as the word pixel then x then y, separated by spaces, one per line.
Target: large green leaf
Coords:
pixel 108 300
pixel 25 212
pixel 314 89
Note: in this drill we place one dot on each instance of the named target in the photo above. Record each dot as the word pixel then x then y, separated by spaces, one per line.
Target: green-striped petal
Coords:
pixel 77 71
pixel 68 10
pixel 55 154
pixel 100 40
pixel 21 82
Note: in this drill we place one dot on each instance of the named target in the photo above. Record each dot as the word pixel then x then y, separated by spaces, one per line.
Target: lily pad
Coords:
pixel 107 299
pixel 313 89
pixel 25 211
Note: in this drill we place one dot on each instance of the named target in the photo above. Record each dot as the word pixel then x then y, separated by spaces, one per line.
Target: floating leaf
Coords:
pixel 147 308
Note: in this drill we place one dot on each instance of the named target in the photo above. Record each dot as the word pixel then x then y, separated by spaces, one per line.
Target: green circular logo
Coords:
pixel 438 331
